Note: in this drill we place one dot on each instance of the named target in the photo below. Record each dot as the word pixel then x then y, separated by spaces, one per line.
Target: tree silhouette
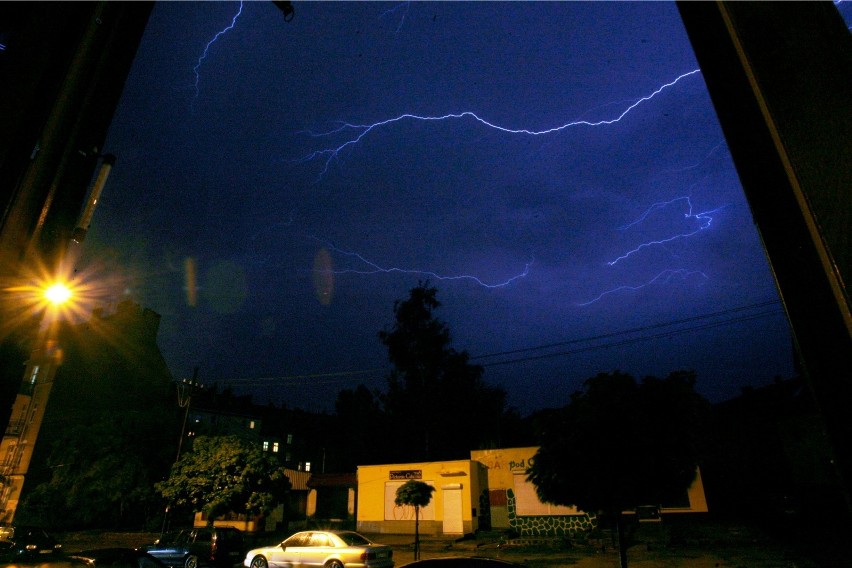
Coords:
pixel 416 494
pixel 433 388
pixel 620 444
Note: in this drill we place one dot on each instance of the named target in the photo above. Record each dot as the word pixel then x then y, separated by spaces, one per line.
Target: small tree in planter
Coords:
pixel 417 494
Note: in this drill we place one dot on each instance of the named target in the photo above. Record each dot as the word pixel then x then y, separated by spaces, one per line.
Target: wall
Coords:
pixel 377 487
pixel 514 504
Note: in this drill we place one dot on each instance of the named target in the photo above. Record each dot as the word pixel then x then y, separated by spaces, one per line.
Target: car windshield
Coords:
pixel 353 539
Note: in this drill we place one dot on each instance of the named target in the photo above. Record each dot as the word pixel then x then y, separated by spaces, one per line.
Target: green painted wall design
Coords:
pixel 548 525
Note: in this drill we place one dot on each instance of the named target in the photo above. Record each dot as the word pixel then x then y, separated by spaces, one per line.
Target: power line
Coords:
pixel 633 340
pixel 628 331
pixel 344 376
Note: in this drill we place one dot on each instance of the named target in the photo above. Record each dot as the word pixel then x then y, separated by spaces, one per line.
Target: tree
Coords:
pixel 618 445
pixel 416 494
pixel 433 387
pixel 101 475
pixel 225 474
pixel 360 422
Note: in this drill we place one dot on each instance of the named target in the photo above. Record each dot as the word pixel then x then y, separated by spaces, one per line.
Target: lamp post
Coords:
pixel 185 389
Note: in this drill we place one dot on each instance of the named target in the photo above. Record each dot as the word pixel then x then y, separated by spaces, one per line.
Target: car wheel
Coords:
pixel 191 562
pixel 334 564
pixel 259 562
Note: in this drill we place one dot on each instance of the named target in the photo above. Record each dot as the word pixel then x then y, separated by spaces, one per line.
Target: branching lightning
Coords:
pixel 407 5
pixel 704 219
pixel 373 268
pixel 363 130
pixel 663 277
pixel 203 55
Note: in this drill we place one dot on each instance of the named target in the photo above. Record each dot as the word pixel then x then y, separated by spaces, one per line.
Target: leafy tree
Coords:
pixel 102 475
pixel 223 474
pixel 620 444
pixel 433 388
pixel 416 494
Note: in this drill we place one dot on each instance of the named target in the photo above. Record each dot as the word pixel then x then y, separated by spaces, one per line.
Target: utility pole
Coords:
pixel 185 389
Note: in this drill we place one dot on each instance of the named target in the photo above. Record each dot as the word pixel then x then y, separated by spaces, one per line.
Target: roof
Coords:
pixel 333 480
pixel 298 479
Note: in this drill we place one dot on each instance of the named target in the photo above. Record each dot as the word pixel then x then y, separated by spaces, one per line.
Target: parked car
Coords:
pixel 207 546
pixel 26 543
pixel 322 549
pixel 117 558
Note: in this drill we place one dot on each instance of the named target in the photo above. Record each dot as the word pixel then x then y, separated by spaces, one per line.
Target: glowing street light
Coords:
pixel 58 294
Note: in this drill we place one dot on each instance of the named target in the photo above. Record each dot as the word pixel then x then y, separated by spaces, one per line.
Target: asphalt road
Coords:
pixel 728 547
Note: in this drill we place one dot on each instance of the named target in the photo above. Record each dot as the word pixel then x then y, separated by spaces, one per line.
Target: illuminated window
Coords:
pixel 34 375
pixel 265 446
pixel 251 424
pixel 307 466
pixel 289 439
pixel 275 447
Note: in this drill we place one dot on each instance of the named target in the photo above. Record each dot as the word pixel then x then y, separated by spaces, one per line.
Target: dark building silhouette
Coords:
pixel 104 373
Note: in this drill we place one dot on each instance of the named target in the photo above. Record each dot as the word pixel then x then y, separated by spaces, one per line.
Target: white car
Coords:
pixel 322 549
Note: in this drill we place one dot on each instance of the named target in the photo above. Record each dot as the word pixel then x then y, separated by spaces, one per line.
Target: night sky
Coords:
pixel 556 170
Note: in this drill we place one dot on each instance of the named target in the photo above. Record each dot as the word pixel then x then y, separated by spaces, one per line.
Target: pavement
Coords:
pixel 725 547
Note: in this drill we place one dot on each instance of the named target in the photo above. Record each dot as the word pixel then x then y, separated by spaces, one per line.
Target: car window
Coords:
pixel 353 539
pixel 227 537
pixel 296 540
pixel 203 536
pixel 319 539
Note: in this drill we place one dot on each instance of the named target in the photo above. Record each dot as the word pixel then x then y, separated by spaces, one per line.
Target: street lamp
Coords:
pixel 57 294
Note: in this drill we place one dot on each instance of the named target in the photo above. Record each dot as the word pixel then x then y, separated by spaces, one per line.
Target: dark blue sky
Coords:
pixel 572 195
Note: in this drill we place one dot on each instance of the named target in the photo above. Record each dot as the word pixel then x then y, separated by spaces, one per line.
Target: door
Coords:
pixel 453 523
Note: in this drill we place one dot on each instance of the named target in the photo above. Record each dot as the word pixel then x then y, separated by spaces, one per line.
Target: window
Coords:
pixel 265 446
pixel 275 447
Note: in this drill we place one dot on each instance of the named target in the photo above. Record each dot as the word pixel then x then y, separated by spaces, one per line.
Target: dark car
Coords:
pixel 205 546
pixel 117 558
pixel 26 543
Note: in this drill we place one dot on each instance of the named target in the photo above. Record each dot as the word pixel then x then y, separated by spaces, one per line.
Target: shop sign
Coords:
pixel 406 474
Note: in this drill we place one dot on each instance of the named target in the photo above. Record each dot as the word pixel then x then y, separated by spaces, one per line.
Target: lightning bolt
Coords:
pixel 394 9
pixel 664 277
pixel 203 55
pixel 696 165
pixel 704 219
pixel 373 268
pixel 362 130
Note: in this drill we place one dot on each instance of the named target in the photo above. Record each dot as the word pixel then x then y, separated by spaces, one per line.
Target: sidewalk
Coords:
pixel 754 553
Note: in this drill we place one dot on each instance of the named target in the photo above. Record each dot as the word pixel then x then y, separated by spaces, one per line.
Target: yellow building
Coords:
pixel 489 491
pixel 455 507
pixel 515 505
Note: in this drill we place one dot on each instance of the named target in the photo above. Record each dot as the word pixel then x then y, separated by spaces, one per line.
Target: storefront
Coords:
pixel 453 510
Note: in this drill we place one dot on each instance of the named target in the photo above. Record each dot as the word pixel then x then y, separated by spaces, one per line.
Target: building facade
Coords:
pixel 489 491
pixel 455 508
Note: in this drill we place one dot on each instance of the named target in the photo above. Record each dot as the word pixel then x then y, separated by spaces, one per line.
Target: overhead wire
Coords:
pixel 604 339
